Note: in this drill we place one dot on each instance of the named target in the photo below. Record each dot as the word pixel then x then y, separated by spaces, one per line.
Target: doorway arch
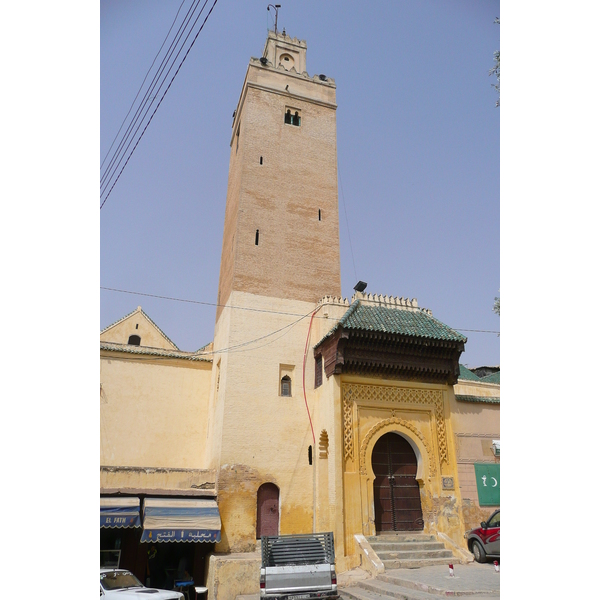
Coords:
pixel 396 493
pixel 267 510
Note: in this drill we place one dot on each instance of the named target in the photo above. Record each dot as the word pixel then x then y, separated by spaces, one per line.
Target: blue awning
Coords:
pixel 120 512
pixel 181 520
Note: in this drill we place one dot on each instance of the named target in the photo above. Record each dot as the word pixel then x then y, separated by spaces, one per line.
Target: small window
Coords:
pixel 261 160
pixel 134 340
pixel 292 117
pixel 310 455
pixel 256 236
pixel 318 370
pixel 286 386
pixel 320 215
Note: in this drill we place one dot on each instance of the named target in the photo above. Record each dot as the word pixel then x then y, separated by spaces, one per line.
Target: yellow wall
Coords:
pixel 420 413
pixel 153 411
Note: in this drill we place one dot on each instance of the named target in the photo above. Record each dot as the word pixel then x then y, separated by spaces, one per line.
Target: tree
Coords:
pixel 496 70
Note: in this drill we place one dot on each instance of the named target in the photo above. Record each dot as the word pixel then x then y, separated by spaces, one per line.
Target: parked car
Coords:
pixel 119 583
pixel 484 541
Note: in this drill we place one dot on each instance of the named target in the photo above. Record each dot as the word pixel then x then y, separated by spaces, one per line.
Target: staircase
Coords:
pixel 409 550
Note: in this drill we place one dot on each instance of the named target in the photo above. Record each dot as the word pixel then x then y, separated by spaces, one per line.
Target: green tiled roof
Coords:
pixel 416 323
pixel 486 399
pixel 492 378
pixel 467 374
pixel 148 351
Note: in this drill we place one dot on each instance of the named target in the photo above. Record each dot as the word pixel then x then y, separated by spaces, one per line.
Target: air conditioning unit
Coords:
pixel 496 447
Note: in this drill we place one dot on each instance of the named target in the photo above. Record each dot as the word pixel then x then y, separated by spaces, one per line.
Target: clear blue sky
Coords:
pixel 418 155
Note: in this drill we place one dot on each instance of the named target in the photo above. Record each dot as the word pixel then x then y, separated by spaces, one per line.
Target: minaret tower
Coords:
pixel 281 237
pixel 280 256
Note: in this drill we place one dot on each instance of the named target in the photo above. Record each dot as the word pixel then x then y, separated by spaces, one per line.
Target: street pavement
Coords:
pixel 477 581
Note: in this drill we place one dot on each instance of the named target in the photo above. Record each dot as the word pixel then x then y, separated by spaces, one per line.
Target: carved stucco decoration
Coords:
pixel 394 421
pixel 355 392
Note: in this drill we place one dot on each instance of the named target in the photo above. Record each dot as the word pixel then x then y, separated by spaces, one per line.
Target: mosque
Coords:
pixel 308 411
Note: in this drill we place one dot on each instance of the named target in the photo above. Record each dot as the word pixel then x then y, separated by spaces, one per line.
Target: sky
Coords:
pixel 418 135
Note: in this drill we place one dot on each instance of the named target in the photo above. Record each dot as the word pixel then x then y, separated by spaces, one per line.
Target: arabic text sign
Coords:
pixel 488 483
pixel 180 535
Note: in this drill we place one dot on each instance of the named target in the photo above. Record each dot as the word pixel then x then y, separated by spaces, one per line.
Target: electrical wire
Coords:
pixel 259 310
pixel 142 85
pixel 160 101
pixel 347 225
pixel 148 94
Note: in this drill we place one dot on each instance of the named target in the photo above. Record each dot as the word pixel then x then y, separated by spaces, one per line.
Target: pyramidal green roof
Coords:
pixel 384 319
pixel 491 378
pixel 467 374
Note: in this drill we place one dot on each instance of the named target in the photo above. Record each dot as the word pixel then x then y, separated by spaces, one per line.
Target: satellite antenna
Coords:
pixel 276 7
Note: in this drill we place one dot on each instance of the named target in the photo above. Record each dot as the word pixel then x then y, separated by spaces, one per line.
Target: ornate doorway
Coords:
pixel 267 510
pixel 395 489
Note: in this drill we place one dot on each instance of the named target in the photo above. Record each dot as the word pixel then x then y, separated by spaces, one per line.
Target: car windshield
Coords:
pixel 119 580
pixel 495 520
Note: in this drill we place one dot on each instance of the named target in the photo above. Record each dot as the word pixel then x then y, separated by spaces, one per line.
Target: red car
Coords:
pixel 484 541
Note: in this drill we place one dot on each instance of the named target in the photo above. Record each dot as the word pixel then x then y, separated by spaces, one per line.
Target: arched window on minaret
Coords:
pixel 288 117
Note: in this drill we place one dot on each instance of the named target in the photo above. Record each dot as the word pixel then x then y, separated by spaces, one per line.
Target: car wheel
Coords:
pixel 478 552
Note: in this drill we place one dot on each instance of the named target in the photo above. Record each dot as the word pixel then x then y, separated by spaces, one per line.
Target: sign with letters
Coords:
pixel 487 476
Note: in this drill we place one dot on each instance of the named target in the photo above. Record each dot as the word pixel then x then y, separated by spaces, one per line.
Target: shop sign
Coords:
pixel 487 476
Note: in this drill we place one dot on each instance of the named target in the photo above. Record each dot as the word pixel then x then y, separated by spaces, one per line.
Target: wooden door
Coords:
pixel 395 489
pixel 267 510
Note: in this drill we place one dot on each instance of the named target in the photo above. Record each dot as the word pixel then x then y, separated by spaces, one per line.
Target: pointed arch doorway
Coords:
pixel 396 492
pixel 267 510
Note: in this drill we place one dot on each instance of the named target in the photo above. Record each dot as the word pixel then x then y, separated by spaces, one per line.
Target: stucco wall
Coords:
pixel 476 425
pixel 153 411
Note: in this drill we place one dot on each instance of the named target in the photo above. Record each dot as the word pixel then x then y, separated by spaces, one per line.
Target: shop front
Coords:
pixel 163 541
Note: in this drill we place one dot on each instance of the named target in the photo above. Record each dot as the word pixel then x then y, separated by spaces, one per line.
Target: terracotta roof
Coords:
pixel 147 351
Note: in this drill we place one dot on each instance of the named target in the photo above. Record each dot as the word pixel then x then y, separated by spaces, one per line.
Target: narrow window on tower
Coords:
pixel 261 160
pixel 256 238
pixel 310 455
pixel 320 216
pixel 237 139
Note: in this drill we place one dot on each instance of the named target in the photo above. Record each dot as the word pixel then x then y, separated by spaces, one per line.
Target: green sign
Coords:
pixel 488 483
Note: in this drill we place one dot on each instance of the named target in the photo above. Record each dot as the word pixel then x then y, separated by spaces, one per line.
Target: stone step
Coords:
pixel 387 546
pixel 404 554
pixel 401 537
pixel 373 589
pixel 414 563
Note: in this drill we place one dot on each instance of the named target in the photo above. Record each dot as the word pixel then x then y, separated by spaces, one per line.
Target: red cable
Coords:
pixel 304 376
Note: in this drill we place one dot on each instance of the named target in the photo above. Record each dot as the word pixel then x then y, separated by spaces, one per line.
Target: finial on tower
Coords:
pixel 276 7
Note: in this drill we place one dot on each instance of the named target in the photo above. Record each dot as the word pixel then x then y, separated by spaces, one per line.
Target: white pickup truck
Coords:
pixel 298 567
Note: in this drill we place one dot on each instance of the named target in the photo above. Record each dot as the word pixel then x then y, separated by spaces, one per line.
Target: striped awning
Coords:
pixel 181 520
pixel 120 512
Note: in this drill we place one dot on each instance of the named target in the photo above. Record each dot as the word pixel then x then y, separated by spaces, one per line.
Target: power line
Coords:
pixel 347 225
pixel 148 94
pixel 142 84
pixel 260 310
pixel 161 99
